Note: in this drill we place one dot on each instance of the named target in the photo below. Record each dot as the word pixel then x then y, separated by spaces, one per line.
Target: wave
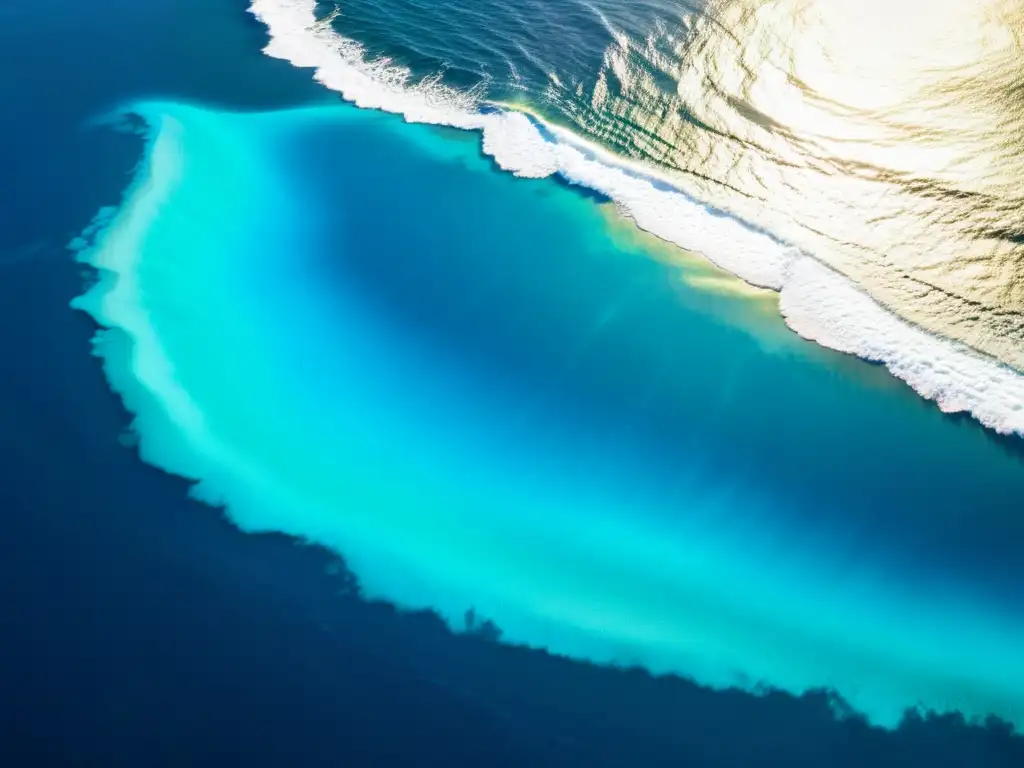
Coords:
pixel 817 302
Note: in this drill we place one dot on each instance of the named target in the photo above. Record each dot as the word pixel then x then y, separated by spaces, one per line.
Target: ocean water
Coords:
pixel 909 305
pixel 492 397
pixel 525 417
pixel 880 138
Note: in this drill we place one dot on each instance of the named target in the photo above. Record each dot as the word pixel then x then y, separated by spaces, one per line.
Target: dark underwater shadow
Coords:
pixel 626 716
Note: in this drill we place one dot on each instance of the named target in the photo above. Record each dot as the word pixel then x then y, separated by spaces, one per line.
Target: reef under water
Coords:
pixel 492 393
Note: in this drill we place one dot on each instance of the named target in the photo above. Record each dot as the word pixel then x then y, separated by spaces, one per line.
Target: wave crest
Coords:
pixel 817 302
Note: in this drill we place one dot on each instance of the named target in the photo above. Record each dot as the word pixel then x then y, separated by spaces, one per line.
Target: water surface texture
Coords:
pixel 832 293
pixel 483 391
pixel 881 137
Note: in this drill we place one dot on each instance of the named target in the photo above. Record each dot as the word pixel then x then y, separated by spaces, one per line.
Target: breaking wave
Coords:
pixel 816 301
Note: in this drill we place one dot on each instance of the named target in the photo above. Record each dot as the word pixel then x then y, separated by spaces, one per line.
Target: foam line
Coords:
pixel 818 303
pixel 824 307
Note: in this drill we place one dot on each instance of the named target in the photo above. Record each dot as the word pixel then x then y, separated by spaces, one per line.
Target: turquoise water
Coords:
pixel 880 137
pixel 491 392
pixel 866 268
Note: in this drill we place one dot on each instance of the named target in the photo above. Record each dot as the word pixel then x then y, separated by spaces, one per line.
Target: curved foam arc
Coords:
pixel 418 498
pixel 816 300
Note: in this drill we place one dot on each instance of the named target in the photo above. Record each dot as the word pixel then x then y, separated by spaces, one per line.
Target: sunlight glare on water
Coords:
pixel 883 137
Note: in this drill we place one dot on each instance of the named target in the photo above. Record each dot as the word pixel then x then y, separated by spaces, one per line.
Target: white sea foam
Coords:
pixel 829 309
pixel 817 302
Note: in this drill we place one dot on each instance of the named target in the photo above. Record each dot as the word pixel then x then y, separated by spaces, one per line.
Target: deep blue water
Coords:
pixel 142 629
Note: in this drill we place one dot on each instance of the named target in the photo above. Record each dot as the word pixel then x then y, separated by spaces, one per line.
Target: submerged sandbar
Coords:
pixel 353 330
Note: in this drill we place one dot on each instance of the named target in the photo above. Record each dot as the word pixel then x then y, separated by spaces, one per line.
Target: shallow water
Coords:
pixel 330 320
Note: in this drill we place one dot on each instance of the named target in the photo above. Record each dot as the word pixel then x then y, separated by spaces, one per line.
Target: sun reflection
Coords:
pixel 884 136
pixel 874 73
